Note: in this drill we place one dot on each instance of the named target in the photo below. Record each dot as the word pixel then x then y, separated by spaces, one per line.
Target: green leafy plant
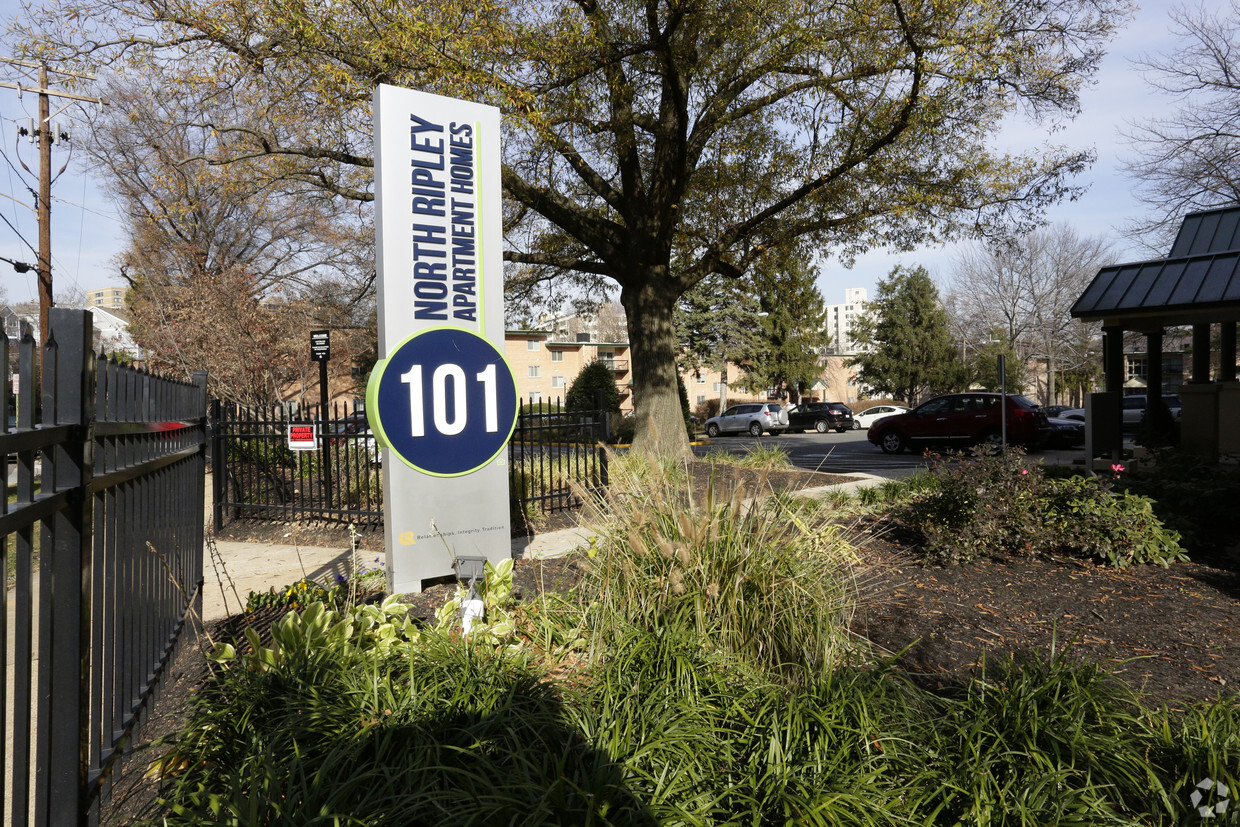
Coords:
pixel 494 589
pixel 1191 495
pixel 296 595
pixel 996 504
pixel 1119 528
pixel 364 627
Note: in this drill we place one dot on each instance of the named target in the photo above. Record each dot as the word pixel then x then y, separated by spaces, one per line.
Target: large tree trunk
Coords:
pixel 652 345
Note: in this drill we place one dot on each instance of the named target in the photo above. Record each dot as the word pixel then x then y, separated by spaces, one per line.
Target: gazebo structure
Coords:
pixel 1198 284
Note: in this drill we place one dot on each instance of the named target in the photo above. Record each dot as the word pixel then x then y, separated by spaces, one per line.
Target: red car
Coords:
pixel 962 420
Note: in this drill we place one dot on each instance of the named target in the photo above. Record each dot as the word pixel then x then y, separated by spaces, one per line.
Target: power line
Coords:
pixel 44 132
pixel 18 233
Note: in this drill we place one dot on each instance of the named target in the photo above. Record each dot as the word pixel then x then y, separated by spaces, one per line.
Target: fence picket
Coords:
pixel 121 456
pixel 257 478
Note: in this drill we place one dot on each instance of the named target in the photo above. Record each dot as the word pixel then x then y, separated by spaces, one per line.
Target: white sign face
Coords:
pixel 302 437
pixel 441 398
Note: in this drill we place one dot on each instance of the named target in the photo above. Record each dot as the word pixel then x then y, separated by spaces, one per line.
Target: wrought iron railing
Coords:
pixel 103 534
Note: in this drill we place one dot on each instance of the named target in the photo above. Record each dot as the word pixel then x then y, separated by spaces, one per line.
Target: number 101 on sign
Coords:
pixel 444 401
pixel 448 383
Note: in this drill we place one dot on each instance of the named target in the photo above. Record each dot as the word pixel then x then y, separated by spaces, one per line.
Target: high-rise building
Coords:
pixel 840 318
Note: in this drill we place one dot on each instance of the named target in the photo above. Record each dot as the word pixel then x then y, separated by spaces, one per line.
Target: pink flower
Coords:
pixel 1117 468
pixel 1024 471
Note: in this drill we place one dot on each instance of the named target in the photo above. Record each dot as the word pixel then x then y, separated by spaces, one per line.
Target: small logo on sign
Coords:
pixel 1210 798
pixel 407 539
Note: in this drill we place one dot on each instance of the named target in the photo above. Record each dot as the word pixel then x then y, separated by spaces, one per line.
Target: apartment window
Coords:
pixel 531 344
pixel 557 356
pixel 718 387
pixel 535 371
pixel 1137 368
pixel 557 381
pixel 701 400
pixel 535 397
pixel 701 380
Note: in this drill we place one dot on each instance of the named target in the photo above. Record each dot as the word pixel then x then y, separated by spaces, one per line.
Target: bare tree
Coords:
pixel 1024 290
pixel 1190 159
pixel 612 326
pixel 230 265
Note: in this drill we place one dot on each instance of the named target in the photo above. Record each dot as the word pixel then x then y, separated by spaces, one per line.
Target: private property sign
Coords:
pixel 441 399
pixel 302 437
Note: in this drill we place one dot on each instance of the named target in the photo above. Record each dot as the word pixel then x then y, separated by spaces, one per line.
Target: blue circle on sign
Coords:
pixel 444 401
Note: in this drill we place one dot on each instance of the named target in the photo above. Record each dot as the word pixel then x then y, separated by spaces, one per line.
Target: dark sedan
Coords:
pixel 821 417
pixel 1065 433
pixel 962 419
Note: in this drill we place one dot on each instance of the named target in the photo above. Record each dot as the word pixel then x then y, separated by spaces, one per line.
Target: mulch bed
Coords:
pixel 1173 633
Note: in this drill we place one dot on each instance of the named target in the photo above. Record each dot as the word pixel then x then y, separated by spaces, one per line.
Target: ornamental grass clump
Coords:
pixel 756 576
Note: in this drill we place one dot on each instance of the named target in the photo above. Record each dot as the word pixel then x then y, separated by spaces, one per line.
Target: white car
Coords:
pixel 1134 410
pixel 751 417
pixel 862 421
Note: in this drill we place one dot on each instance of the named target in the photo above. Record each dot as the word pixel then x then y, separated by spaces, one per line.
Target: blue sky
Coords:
pixel 87 234
pixel 1120 96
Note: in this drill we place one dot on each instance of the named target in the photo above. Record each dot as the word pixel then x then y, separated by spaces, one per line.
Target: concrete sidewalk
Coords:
pixel 254 567
pixel 251 567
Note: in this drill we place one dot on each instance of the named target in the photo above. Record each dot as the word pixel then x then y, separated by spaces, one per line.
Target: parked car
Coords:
pixel 1134 409
pixel 749 417
pixel 1065 433
pixel 353 434
pixel 821 416
pixel 862 421
pixel 962 419
pixel 1053 411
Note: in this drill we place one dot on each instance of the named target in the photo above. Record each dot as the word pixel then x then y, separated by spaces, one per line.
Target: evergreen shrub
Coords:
pixel 997 504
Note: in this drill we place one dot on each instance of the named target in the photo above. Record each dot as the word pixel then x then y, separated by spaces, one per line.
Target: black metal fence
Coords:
pixel 257 476
pixel 555 454
pixel 102 531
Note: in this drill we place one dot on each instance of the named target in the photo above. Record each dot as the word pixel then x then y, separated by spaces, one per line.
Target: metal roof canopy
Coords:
pixel 1199 283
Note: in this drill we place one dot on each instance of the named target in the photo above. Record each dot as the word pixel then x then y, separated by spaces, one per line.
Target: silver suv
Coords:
pixel 749 417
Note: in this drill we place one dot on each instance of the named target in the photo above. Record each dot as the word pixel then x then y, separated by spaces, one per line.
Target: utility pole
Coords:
pixel 44 132
pixel 43 129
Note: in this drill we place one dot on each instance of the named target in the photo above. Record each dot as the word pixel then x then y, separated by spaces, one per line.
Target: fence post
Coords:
pixel 602 415
pixel 201 405
pixel 219 466
pixel 69 618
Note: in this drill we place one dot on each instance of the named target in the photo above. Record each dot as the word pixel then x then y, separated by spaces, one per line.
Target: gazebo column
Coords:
pixel 1106 411
pixel 1199 402
pixel 1227 352
pixel 1153 369
pixel 1157 416
pixel 1228 390
pixel 1201 354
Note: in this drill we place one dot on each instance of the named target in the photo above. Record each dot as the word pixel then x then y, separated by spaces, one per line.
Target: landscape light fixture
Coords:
pixel 471 569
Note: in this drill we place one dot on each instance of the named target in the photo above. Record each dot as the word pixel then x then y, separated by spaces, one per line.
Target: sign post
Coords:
pixel 441 399
pixel 321 352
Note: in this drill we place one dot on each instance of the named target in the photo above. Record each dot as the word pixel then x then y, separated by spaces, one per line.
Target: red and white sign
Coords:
pixel 302 437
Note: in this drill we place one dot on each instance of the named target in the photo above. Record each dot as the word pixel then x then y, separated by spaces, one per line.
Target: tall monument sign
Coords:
pixel 441 399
